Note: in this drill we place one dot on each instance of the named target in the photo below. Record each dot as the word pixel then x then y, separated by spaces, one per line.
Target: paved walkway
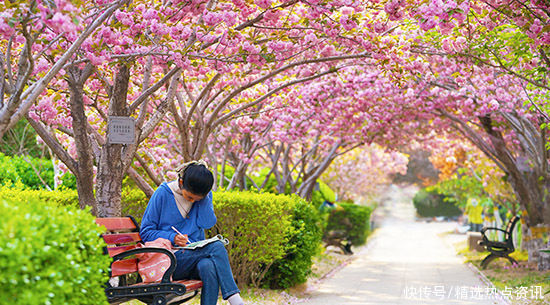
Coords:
pixel 405 262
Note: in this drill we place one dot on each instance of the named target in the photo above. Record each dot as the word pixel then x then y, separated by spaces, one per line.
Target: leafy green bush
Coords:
pixel 265 230
pixel 431 204
pixel 258 227
pixel 50 254
pixel 303 244
pixel 14 169
pixel 352 219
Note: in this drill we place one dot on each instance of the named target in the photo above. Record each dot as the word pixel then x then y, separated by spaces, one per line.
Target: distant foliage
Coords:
pixel 21 138
pixel 270 185
pixel 50 254
pixel 134 201
pixel 303 244
pixel 322 193
pixel 352 219
pixel 15 169
pixel 431 204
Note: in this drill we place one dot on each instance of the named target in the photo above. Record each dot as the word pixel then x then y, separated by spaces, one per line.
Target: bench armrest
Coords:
pixel 167 274
pixel 491 228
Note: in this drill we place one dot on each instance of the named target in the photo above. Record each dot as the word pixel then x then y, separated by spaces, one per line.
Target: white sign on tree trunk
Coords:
pixel 122 130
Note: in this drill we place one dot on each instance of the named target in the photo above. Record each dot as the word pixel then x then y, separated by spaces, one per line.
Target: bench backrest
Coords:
pixel 122 235
pixel 510 228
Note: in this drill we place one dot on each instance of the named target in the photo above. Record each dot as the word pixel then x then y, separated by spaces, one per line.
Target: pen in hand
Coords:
pixel 186 240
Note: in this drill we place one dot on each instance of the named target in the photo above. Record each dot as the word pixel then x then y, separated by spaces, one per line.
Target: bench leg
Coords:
pixel 159 300
pixel 346 248
pixel 512 261
pixel 487 260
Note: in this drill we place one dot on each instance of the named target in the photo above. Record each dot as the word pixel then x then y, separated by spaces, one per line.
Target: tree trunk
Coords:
pixel 238 177
pixel 111 167
pixel 109 184
pixel 85 167
pixel 530 183
pixel 140 182
pixel 308 185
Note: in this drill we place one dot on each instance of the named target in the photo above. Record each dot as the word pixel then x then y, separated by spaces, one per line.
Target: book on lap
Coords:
pixel 202 243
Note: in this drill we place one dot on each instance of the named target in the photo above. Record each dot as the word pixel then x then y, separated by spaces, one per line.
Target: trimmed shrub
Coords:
pixel 303 244
pixel 50 254
pixel 257 226
pixel 134 200
pixel 431 204
pixel 17 193
pixel 352 219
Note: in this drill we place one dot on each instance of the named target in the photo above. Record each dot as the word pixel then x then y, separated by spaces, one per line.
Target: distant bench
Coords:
pixel 122 237
pixel 340 239
pixel 499 248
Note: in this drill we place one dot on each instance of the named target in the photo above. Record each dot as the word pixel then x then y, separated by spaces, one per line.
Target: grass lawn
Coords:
pixel 518 282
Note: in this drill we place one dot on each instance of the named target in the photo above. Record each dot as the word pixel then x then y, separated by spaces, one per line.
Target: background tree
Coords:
pixel 32 32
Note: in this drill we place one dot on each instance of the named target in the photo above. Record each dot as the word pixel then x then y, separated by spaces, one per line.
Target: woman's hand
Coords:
pixel 181 240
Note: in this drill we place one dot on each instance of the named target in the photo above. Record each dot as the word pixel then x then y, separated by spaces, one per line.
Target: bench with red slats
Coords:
pixel 122 237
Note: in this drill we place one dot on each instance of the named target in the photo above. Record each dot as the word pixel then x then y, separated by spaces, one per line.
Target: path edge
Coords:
pixel 503 300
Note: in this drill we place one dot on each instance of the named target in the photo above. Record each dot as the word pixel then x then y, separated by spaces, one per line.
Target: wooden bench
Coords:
pixel 499 248
pixel 122 237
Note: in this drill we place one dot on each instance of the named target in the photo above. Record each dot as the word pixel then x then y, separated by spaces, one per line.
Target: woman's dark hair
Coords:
pixel 197 179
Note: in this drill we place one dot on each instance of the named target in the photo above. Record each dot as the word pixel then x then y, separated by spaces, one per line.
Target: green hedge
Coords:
pixel 273 237
pixel 431 204
pixel 304 243
pixel 134 200
pixel 351 218
pixel 50 254
pixel 258 227
pixel 18 193
pixel 266 254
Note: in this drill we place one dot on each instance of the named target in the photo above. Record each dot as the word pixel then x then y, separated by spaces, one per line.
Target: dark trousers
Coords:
pixel 210 264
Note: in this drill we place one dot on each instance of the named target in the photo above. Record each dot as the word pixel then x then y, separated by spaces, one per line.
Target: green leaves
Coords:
pixel 23 170
pixel 50 254
pixel 303 244
pixel 258 227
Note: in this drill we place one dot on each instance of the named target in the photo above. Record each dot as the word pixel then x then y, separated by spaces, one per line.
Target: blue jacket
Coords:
pixel 162 213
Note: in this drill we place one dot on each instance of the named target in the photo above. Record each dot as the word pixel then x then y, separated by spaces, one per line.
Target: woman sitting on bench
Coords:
pixel 186 205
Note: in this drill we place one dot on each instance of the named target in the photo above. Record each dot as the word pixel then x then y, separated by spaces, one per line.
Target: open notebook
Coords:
pixel 202 243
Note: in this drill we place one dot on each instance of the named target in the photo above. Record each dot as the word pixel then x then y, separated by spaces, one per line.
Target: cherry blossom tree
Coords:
pixel 186 37
pixel 30 33
pixel 294 43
